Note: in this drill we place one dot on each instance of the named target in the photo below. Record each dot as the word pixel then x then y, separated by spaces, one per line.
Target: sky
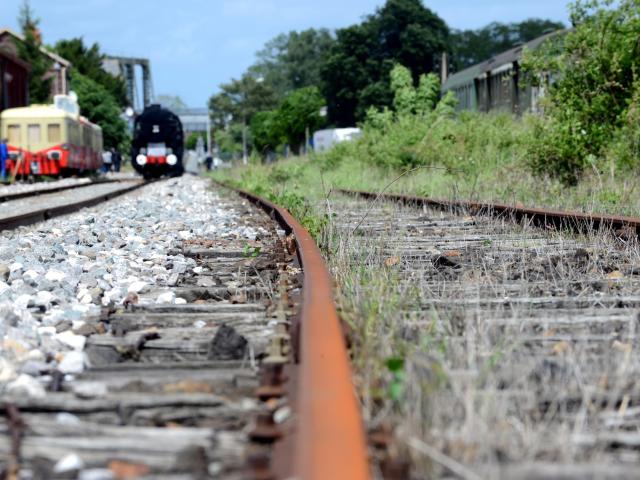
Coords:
pixel 194 45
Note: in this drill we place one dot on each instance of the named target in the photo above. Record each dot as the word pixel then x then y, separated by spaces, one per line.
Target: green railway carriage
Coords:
pixel 498 84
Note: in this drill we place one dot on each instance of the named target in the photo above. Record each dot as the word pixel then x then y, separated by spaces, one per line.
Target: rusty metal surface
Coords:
pixel 42 214
pixel 536 216
pixel 330 442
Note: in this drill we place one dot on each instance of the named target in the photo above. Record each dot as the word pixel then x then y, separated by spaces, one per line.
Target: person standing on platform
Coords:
pixel 107 159
pixel 116 157
pixel 4 156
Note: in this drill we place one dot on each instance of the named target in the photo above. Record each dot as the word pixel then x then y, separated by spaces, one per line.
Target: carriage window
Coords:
pixel 14 134
pixel 53 132
pixel 33 133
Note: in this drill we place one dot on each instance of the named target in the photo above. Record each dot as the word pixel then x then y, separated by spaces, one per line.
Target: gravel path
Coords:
pixel 132 333
pixel 52 200
pixel 32 187
pixel 68 268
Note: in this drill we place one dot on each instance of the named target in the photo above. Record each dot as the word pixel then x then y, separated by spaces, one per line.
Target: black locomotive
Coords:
pixel 158 143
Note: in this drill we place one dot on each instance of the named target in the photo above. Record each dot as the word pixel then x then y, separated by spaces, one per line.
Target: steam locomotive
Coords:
pixel 158 143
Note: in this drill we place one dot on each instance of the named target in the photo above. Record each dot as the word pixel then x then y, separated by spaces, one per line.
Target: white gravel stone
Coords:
pixel 89 389
pixel 73 362
pixel 55 275
pixel 67 268
pixel 68 463
pixel 72 340
pixel 166 297
pixel 26 385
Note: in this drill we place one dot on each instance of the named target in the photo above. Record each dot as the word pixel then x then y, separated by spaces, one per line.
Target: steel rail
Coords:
pixel 539 217
pixel 43 214
pixel 329 434
pixel 7 197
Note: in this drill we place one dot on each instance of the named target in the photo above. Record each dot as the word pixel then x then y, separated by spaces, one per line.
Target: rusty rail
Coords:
pixel 539 217
pixel 329 438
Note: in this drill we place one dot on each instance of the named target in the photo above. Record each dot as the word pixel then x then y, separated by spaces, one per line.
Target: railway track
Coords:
pixel 231 365
pixel 518 343
pixel 26 208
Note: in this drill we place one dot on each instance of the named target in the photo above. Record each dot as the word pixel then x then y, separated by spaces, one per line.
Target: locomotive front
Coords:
pixel 158 143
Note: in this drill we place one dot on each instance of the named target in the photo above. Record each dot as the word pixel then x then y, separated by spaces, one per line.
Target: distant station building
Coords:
pixel 195 120
pixel 14 72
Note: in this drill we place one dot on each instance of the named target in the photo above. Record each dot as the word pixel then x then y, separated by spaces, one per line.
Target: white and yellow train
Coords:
pixel 51 139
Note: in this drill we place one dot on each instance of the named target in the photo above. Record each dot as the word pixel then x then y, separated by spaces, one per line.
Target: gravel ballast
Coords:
pixel 57 276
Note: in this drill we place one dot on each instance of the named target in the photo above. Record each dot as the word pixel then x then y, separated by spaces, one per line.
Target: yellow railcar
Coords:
pixel 50 139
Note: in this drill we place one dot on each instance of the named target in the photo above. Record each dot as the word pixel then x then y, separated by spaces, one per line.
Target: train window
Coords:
pixel 14 134
pixel 33 133
pixel 53 132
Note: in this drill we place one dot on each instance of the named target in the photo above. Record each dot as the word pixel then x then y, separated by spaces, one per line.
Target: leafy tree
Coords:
pixel 88 62
pixel 29 51
pixel 99 106
pixel 266 131
pixel 299 111
pixel 239 100
pixel 474 46
pixel 292 61
pixel 172 102
pixel 356 71
pixel 408 100
pixel 595 91
pixel 229 141
pixel 192 140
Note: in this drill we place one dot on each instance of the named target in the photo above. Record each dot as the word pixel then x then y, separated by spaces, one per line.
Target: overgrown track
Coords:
pixel 519 344
pixel 32 208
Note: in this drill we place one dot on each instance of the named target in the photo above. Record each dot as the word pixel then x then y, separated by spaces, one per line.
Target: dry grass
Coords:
pixel 518 345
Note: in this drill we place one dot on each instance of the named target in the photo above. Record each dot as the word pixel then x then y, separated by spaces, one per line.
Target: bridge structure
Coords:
pixel 125 67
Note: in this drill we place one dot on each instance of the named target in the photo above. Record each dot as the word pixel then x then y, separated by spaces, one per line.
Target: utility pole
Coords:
pixel 244 140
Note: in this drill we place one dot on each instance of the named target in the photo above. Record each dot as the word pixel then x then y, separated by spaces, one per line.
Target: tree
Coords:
pixel 596 89
pixel 240 100
pixel 172 102
pixel 88 62
pixel 266 131
pixel 30 51
pixel 299 113
pixel 474 46
pixel 192 140
pixel 292 61
pixel 99 106
pixel 356 71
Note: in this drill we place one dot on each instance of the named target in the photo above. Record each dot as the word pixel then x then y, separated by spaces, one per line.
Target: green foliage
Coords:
pixel 192 140
pixel 395 366
pixel 404 95
pixel 356 71
pixel 292 61
pixel 408 100
pixel 88 62
pixel 229 140
pixel 30 51
pixel 298 111
pixel 239 100
pixel 469 47
pixel 594 93
pixel 99 106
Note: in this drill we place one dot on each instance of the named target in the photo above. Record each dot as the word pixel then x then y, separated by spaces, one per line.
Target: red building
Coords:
pixel 14 83
pixel 14 89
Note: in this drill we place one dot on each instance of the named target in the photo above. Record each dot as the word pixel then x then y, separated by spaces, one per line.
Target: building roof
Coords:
pixel 53 56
